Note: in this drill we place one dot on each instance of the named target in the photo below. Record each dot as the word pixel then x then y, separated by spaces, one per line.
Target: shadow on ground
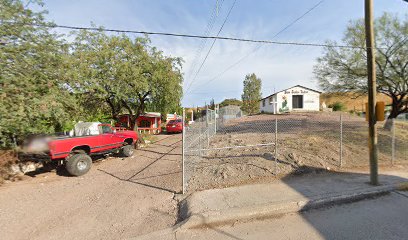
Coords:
pixel 334 220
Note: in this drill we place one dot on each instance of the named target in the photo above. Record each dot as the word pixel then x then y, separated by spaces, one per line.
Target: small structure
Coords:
pixel 171 116
pixel 297 98
pixel 149 122
pixel 230 112
pixel 325 108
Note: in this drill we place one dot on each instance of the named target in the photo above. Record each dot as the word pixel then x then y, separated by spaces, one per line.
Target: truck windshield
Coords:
pixel 105 129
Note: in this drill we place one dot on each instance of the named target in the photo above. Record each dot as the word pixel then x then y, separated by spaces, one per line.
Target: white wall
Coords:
pixel 311 100
pixel 269 106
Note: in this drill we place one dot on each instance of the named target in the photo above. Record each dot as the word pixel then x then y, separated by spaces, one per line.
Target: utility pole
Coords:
pixel 372 89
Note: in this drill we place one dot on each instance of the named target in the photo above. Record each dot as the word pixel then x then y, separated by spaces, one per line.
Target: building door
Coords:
pixel 297 101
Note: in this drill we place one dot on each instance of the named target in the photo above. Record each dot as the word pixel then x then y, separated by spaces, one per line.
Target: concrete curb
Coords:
pixel 213 218
pixel 277 209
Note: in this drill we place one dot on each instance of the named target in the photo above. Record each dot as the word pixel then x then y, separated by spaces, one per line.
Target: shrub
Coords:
pixel 337 106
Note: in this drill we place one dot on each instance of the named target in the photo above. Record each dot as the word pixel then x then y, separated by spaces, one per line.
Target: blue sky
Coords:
pixel 278 66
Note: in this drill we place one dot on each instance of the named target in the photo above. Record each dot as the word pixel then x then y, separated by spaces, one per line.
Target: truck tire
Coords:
pixel 78 164
pixel 127 150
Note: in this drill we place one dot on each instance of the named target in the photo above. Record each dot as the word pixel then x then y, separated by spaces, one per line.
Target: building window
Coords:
pixel 144 124
pixel 270 100
pixel 263 103
pixel 297 101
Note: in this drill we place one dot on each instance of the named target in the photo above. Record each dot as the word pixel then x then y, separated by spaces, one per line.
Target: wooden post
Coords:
pixel 183 139
pixel 372 88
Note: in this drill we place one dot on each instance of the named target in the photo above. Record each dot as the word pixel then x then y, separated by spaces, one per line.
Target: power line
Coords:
pixel 188 35
pixel 209 27
pixel 260 45
pixel 212 45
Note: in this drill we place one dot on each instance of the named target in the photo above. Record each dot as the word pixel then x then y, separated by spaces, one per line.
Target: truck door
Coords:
pixel 107 139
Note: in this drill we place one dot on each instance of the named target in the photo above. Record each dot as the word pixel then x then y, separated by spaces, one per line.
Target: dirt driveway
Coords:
pixel 118 198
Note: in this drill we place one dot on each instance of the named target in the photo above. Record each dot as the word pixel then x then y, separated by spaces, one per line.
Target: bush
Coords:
pixel 337 106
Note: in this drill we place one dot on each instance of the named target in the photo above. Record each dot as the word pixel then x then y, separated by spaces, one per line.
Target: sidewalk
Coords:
pixel 291 194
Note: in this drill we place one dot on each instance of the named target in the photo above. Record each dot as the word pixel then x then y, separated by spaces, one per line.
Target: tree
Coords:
pixel 33 94
pixel 212 104
pixel 252 94
pixel 345 69
pixel 231 101
pixel 126 74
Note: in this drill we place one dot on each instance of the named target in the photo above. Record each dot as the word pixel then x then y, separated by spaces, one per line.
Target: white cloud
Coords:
pixel 278 66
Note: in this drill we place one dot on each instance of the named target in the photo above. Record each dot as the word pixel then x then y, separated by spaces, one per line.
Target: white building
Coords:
pixel 297 98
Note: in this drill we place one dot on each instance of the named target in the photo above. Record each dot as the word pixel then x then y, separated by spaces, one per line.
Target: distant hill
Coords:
pixel 352 101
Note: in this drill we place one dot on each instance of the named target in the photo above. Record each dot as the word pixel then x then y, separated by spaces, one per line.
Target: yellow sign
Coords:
pixel 379 111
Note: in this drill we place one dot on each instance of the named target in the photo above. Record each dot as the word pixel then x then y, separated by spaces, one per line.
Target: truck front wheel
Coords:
pixel 78 164
pixel 127 150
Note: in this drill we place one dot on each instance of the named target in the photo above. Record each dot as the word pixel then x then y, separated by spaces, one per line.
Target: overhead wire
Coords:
pixel 212 45
pixel 260 44
pixel 208 30
pixel 188 35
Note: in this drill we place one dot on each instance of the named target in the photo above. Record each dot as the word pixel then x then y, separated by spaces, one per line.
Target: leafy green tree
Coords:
pixel 230 101
pixel 252 94
pixel 164 80
pixel 345 69
pixel 212 104
pixel 125 74
pixel 33 94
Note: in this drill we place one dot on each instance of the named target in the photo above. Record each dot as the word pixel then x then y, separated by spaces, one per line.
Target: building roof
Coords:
pixel 290 88
pixel 147 114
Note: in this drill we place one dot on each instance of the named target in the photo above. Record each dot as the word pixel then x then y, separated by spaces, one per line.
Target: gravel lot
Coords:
pixel 305 141
pixel 118 198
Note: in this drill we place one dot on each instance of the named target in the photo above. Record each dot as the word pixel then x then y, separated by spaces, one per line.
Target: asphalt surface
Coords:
pixel 118 198
pixel 385 217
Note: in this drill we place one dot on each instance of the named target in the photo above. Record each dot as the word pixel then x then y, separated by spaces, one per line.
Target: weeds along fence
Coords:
pixel 226 148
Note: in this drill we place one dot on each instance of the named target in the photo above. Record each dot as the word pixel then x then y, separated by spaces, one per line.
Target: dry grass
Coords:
pixel 351 101
pixel 149 137
pixel 403 186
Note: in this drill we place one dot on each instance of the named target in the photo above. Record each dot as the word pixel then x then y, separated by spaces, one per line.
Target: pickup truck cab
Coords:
pixel 88 139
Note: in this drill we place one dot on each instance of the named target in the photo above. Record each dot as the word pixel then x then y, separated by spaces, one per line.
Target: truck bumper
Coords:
pixel 34 156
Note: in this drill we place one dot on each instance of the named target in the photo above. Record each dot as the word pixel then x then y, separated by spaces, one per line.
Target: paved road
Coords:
pixel 118 198
pixel 381 218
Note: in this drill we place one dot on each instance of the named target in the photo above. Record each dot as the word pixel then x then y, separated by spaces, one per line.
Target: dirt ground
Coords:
pixel 118 198
pixel 304 141
pixel 121 198
pixel 7 158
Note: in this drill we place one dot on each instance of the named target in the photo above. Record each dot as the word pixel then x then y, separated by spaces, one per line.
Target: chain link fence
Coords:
pixel 226 148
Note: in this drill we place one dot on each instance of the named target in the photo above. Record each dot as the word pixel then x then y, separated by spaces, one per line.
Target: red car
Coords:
pixel 91 139
pixel 174 126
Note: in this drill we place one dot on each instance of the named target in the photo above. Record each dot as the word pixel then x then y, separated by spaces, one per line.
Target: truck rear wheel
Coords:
pixel 127 151
pixel 78 164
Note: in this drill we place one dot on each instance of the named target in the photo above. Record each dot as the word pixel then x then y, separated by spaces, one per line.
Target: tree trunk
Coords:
pixel 393 114
pixel 114 110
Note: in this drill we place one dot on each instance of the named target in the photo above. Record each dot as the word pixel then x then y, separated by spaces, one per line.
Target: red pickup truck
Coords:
pixel 74 151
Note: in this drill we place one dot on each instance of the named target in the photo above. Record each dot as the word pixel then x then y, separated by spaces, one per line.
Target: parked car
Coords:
pixel 174 126
pixel 86 139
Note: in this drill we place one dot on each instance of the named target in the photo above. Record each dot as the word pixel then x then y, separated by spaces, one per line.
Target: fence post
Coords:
pixel 200 140
pixel 183 138
pixel 276 145
pixel 215 122
pixel 392 141
pixel 207 126
pixel 341 140
pixel 206 116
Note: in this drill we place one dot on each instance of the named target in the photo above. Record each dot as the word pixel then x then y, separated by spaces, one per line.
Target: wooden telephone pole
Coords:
pixel 372 89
